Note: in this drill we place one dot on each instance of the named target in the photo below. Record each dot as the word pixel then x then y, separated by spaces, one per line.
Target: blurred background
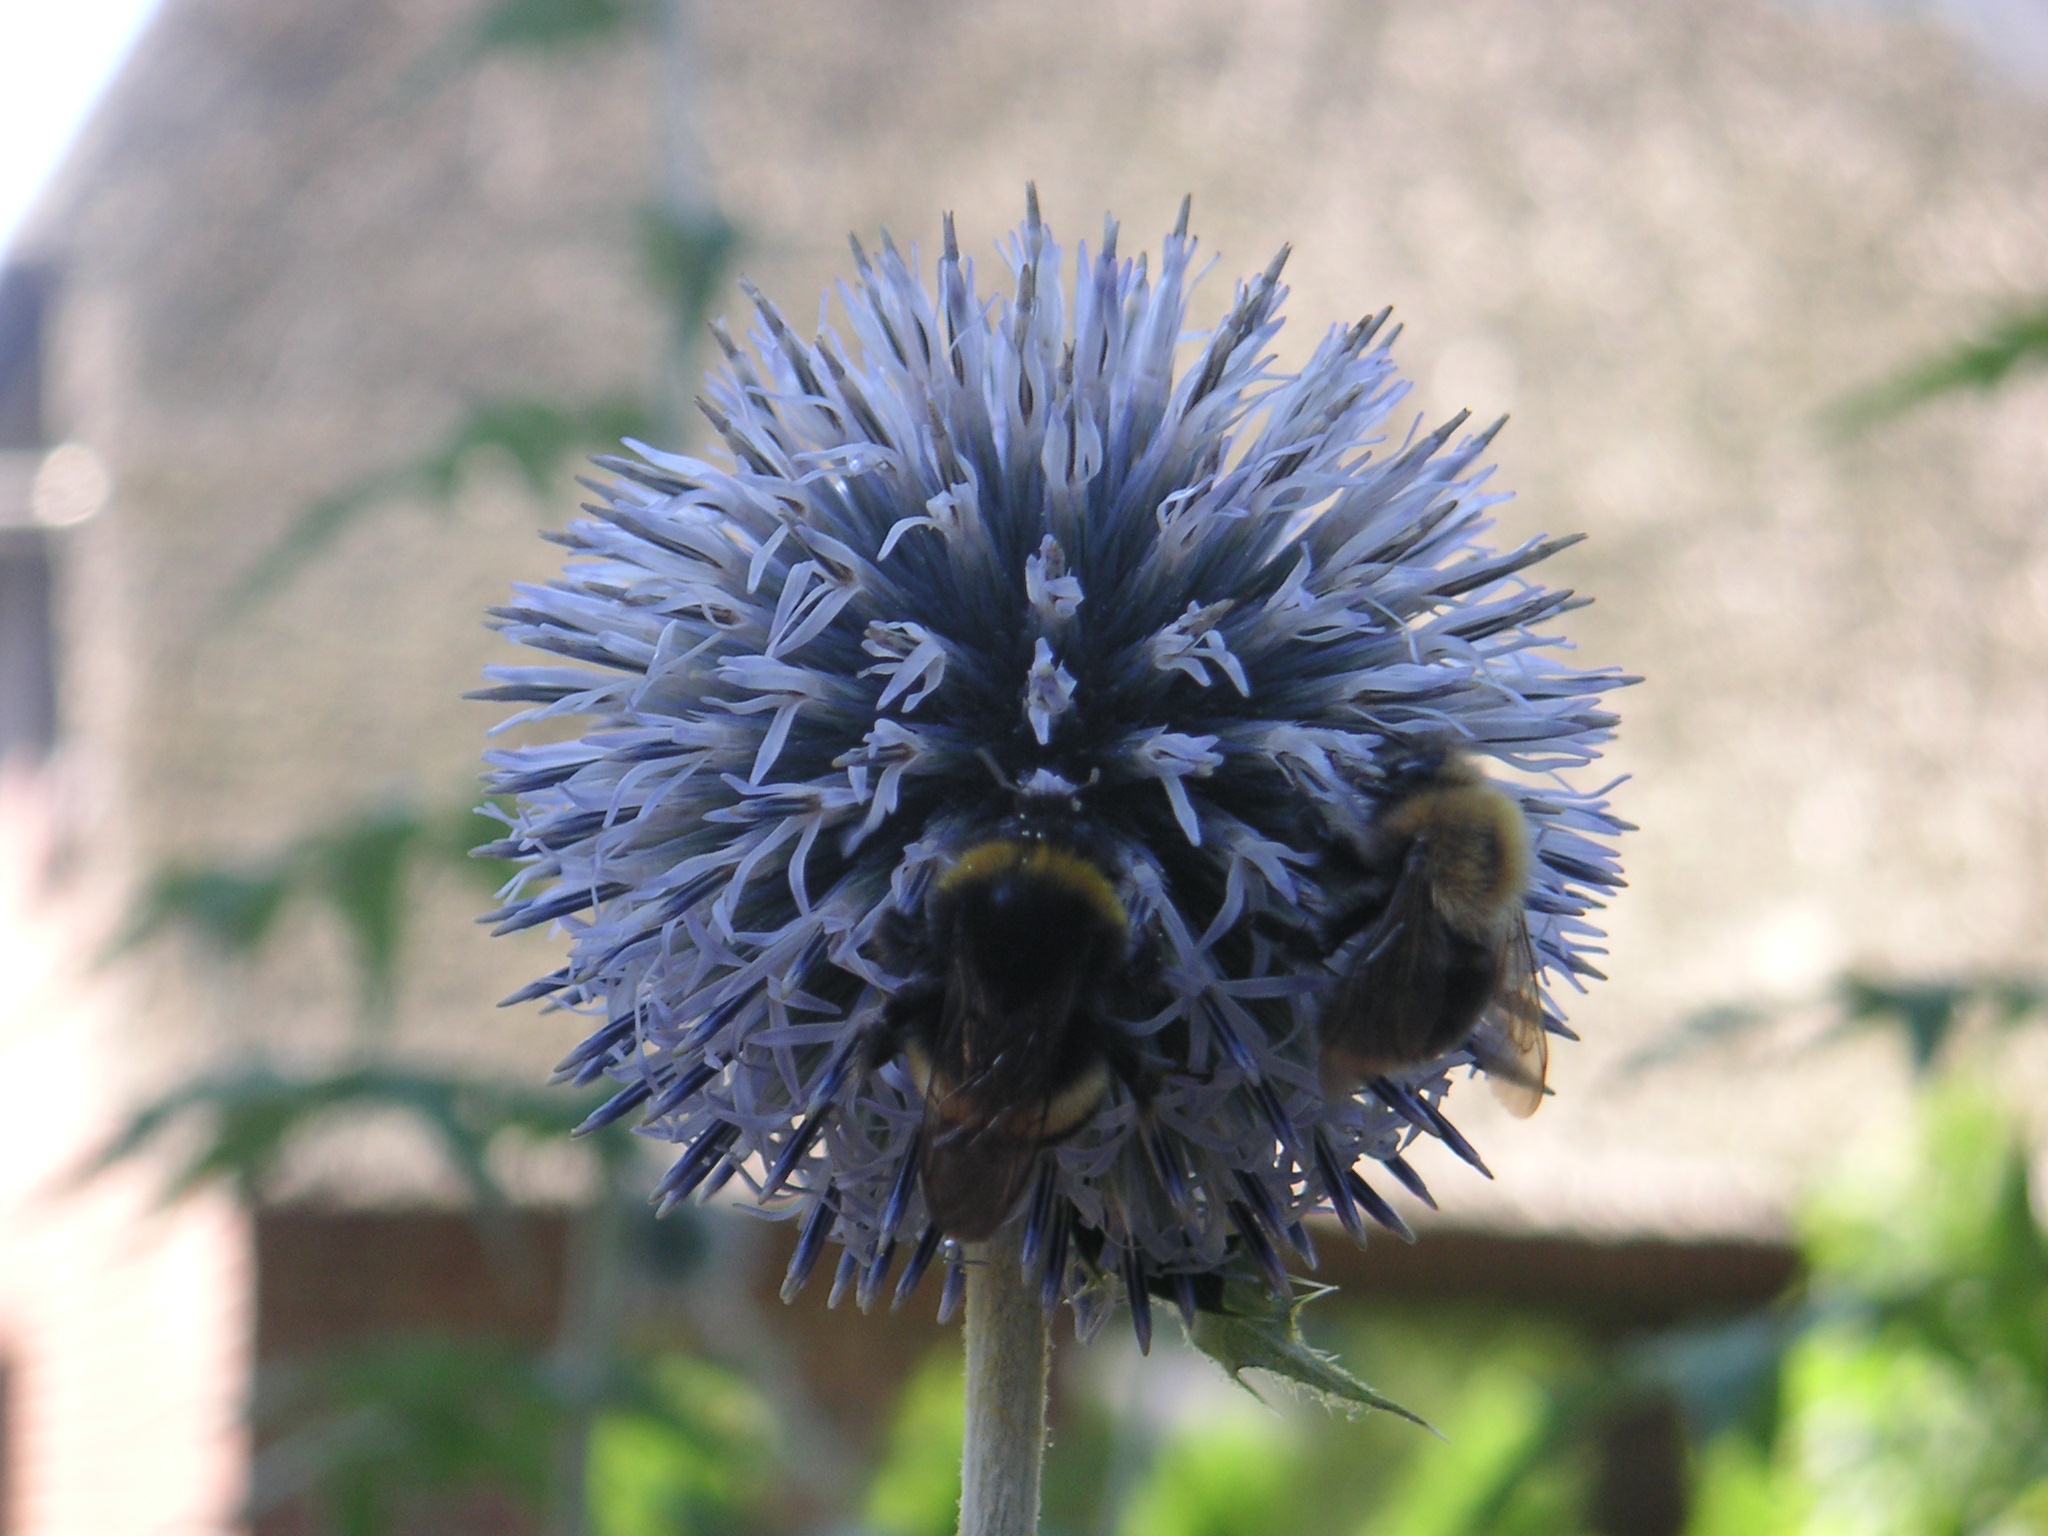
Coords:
pixel 301 348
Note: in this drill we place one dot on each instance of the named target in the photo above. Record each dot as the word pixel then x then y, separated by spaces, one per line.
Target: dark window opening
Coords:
pixel 28 672
pixel 24 303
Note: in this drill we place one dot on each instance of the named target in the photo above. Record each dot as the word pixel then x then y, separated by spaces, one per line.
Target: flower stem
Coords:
pixel 1007 1353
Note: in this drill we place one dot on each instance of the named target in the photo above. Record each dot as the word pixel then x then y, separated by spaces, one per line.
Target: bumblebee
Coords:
pixel 1436 947
pixel 1022 943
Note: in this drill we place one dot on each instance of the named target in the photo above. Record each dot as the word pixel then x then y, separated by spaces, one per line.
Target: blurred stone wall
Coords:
pixel 1665 238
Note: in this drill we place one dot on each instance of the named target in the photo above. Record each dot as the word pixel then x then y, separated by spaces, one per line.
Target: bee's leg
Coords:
pixel 897 941
pixel 1354 917
pixel 1127 1064
pixel 1297 938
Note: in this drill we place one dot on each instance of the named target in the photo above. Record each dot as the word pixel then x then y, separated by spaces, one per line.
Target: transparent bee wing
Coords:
pixel 1385 1010
pixel 988 1129
pixel 1510 1045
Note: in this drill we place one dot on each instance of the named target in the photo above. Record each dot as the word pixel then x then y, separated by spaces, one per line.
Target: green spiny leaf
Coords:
pixel 1254 1331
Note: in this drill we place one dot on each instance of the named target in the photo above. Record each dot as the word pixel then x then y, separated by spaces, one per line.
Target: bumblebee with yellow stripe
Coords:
pixel 1006 1027
pixel 1442 958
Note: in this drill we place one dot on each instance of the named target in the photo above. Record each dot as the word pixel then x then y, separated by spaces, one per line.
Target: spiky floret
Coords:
pixel 1049 536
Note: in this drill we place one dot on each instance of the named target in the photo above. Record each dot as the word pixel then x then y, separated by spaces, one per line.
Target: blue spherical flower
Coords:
pixel 1007 553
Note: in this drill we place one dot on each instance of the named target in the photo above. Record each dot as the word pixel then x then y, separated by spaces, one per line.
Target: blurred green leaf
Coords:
pixel 360 868
pixel 405 1431
pixel 1498 1470
pixel 546 25
pixel 1723 1375
pixel 682 1447
pixel 1740 1490
pixel 916 1490
pixel 686 260
pixel 238 1124
pixel 318 526
pixel 230 910
pixel 1699 1031
pixel 536 434
pixel 2019 341
pixel 1914 1399
pixel 1926 1011
pixel 1930 1012
pixel 1957 1260
pixel 1230 1474
pixel 2026 1515
pixel 410 1431
pixel 535 28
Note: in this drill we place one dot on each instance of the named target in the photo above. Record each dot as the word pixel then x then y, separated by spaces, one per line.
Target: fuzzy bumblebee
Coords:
pixel 997 801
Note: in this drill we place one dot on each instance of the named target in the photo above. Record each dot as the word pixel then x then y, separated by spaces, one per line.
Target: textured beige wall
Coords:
pixel 1662 236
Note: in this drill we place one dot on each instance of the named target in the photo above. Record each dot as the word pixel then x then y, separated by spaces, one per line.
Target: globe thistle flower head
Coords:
pixel 973 821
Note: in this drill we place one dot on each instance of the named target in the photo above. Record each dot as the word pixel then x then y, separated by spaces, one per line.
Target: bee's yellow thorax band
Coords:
pixel 1040 861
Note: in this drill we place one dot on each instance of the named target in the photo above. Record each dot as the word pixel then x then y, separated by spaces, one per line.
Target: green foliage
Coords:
pixel 537 435
pixel 1914 1400
pixel 1223 1474
pixel 1930 1012
pixel 358 869
pixel 1722 1375
pixel 1903 1391
pixel 543 26
pixel 1497 1470
pixel 685 1450
pixel 536 29
pixel 1739 1490
pixel 232 910
pixel 236 1126
pixel 686 259
pixel 404 1429
pixel 414 1431
pixel 405 1432
pixel 916 1492
pixel 1171 1448
pixel 1981 364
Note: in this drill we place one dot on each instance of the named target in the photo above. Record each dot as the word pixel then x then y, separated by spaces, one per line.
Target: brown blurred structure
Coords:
pixel 299 243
